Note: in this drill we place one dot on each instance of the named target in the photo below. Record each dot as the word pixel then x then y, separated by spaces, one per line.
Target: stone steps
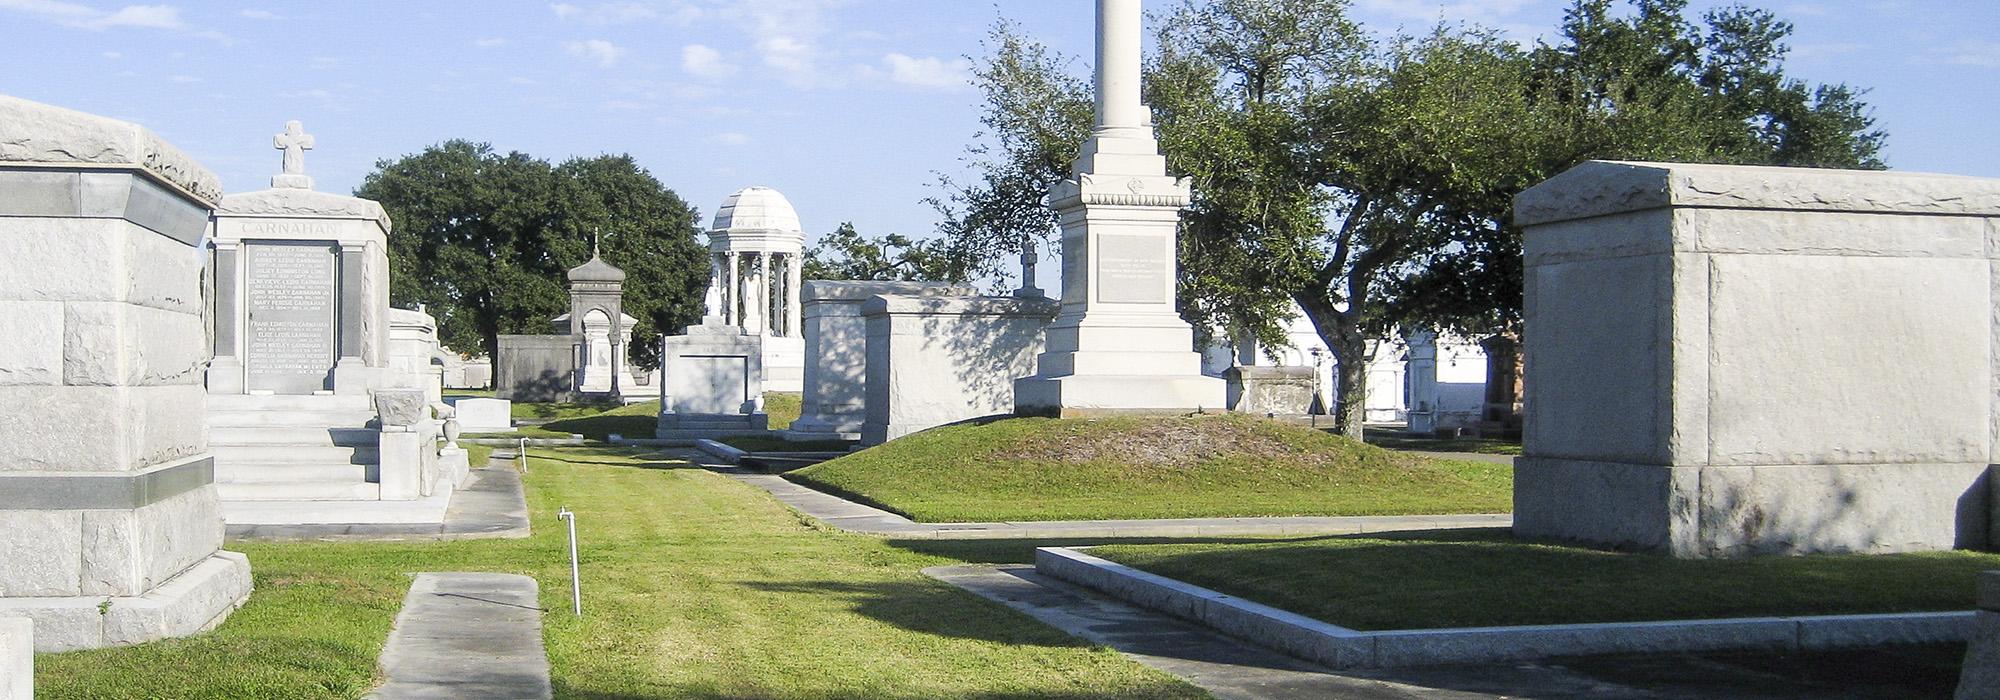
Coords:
pixel 236 402
pixel 278 418
pixel 428 510
pixel 298 491
pixel 295 472
pixel 317 436
pixel 282 455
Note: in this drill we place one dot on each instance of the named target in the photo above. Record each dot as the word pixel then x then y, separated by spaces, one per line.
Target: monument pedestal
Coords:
pixel 1118 346
pixel 715 383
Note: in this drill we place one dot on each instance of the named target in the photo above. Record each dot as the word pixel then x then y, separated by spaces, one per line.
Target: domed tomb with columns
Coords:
pixel 755 246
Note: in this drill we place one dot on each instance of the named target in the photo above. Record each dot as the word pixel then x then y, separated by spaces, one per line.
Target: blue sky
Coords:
pixel 847 106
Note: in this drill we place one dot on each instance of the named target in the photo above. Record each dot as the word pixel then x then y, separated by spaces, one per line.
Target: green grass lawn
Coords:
pixel 783 408
pixel 1484 578
pixel 695 586
pixel 1212 466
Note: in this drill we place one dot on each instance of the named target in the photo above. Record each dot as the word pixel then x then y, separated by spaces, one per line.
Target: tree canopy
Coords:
pixel 484 241
pixel 1370 182
pixel 845 254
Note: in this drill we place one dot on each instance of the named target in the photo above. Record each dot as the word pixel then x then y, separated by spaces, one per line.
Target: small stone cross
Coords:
pixel 294 142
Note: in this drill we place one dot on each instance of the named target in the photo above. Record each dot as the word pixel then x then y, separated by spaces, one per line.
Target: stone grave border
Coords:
pixel 1342 648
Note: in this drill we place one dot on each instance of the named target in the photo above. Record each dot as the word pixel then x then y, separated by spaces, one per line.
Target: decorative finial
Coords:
pixel 594 233
pixel 294 142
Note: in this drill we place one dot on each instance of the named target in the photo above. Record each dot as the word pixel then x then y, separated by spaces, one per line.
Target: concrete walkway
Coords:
pixel 490 505
pixel 855 517
pixel 466 635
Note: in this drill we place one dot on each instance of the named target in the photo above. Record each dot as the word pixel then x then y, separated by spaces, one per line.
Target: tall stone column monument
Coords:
pixel 1118 346
pixel 109 524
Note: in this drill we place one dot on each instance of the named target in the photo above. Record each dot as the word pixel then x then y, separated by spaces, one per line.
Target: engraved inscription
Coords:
pixel 289 294
pixel 1131 269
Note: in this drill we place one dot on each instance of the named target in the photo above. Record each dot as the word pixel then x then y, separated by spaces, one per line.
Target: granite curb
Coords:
pixel 1340 647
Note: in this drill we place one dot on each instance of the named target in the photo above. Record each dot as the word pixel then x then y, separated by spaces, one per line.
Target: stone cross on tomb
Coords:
pixel 294 142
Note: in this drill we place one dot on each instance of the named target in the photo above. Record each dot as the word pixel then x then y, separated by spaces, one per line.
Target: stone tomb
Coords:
pixel 836 353
pixel 714 382
pixel 934 360
pixel 109 522
pixel 1727 360
pixel 301 289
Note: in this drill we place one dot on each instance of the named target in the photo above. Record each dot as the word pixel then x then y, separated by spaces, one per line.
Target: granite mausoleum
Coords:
pixel 110 528
pixel 1729 360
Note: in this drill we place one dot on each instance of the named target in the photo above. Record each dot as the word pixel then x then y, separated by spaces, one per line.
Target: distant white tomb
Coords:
pixel 1118 344
pixel 586 356
pixel 756 249
pixel 836 371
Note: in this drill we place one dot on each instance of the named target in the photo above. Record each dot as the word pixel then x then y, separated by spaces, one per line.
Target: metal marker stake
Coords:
pixel 575 583
pixel 521 455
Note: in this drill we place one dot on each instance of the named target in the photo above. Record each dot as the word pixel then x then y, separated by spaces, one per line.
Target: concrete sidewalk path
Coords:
pixel 855 517
pixel 467 635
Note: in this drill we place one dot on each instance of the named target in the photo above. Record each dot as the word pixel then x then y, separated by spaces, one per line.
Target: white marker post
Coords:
pixel 575 582
pixel 521 455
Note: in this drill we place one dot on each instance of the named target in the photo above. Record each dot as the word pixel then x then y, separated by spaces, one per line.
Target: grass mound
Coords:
pixel 1131 467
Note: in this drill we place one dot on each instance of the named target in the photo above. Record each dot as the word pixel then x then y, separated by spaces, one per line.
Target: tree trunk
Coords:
pixel 1343 337
pixel 1350 410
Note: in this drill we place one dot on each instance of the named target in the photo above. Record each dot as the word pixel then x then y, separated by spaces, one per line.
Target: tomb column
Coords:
pixel 734 291
pixel 225 372
pixel 764 283
pixel 793 311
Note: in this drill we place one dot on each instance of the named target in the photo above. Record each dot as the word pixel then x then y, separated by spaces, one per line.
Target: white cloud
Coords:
pixel 258 14
pixel 610 13
pixel 70 14
pixel 490 42
pixel 929 72
pixel 702 61
pixel 604 53
pixel 732 138
pixel 1985 54
pixel 153 16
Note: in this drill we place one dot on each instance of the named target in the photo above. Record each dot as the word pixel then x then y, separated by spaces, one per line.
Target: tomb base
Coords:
pixel 707 425
pixel 1083 396
pixel 1731 511
pixel 197 599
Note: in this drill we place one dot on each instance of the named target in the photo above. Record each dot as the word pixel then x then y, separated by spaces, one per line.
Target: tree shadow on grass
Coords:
pixel 1163 690
pixel 928 607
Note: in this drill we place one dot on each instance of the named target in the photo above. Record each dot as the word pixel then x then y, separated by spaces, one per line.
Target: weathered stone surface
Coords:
pixel 35 133
pixel 130 552
pixel 936 360
pixel 17 658
pixel 33 353
pixel 1769 342
pixel 98 428
pixel 302 204
pixel 484 415
pixel 1597 188
pixel 195 601
pixel 1282 390
pixel 43 551
pixel 401 407
pixel 1868 330
pixel 118 344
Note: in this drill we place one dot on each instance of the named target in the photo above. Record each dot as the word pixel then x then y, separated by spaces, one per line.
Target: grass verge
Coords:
pixel 1471 579
pixel 1210 466
pixel 696 587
